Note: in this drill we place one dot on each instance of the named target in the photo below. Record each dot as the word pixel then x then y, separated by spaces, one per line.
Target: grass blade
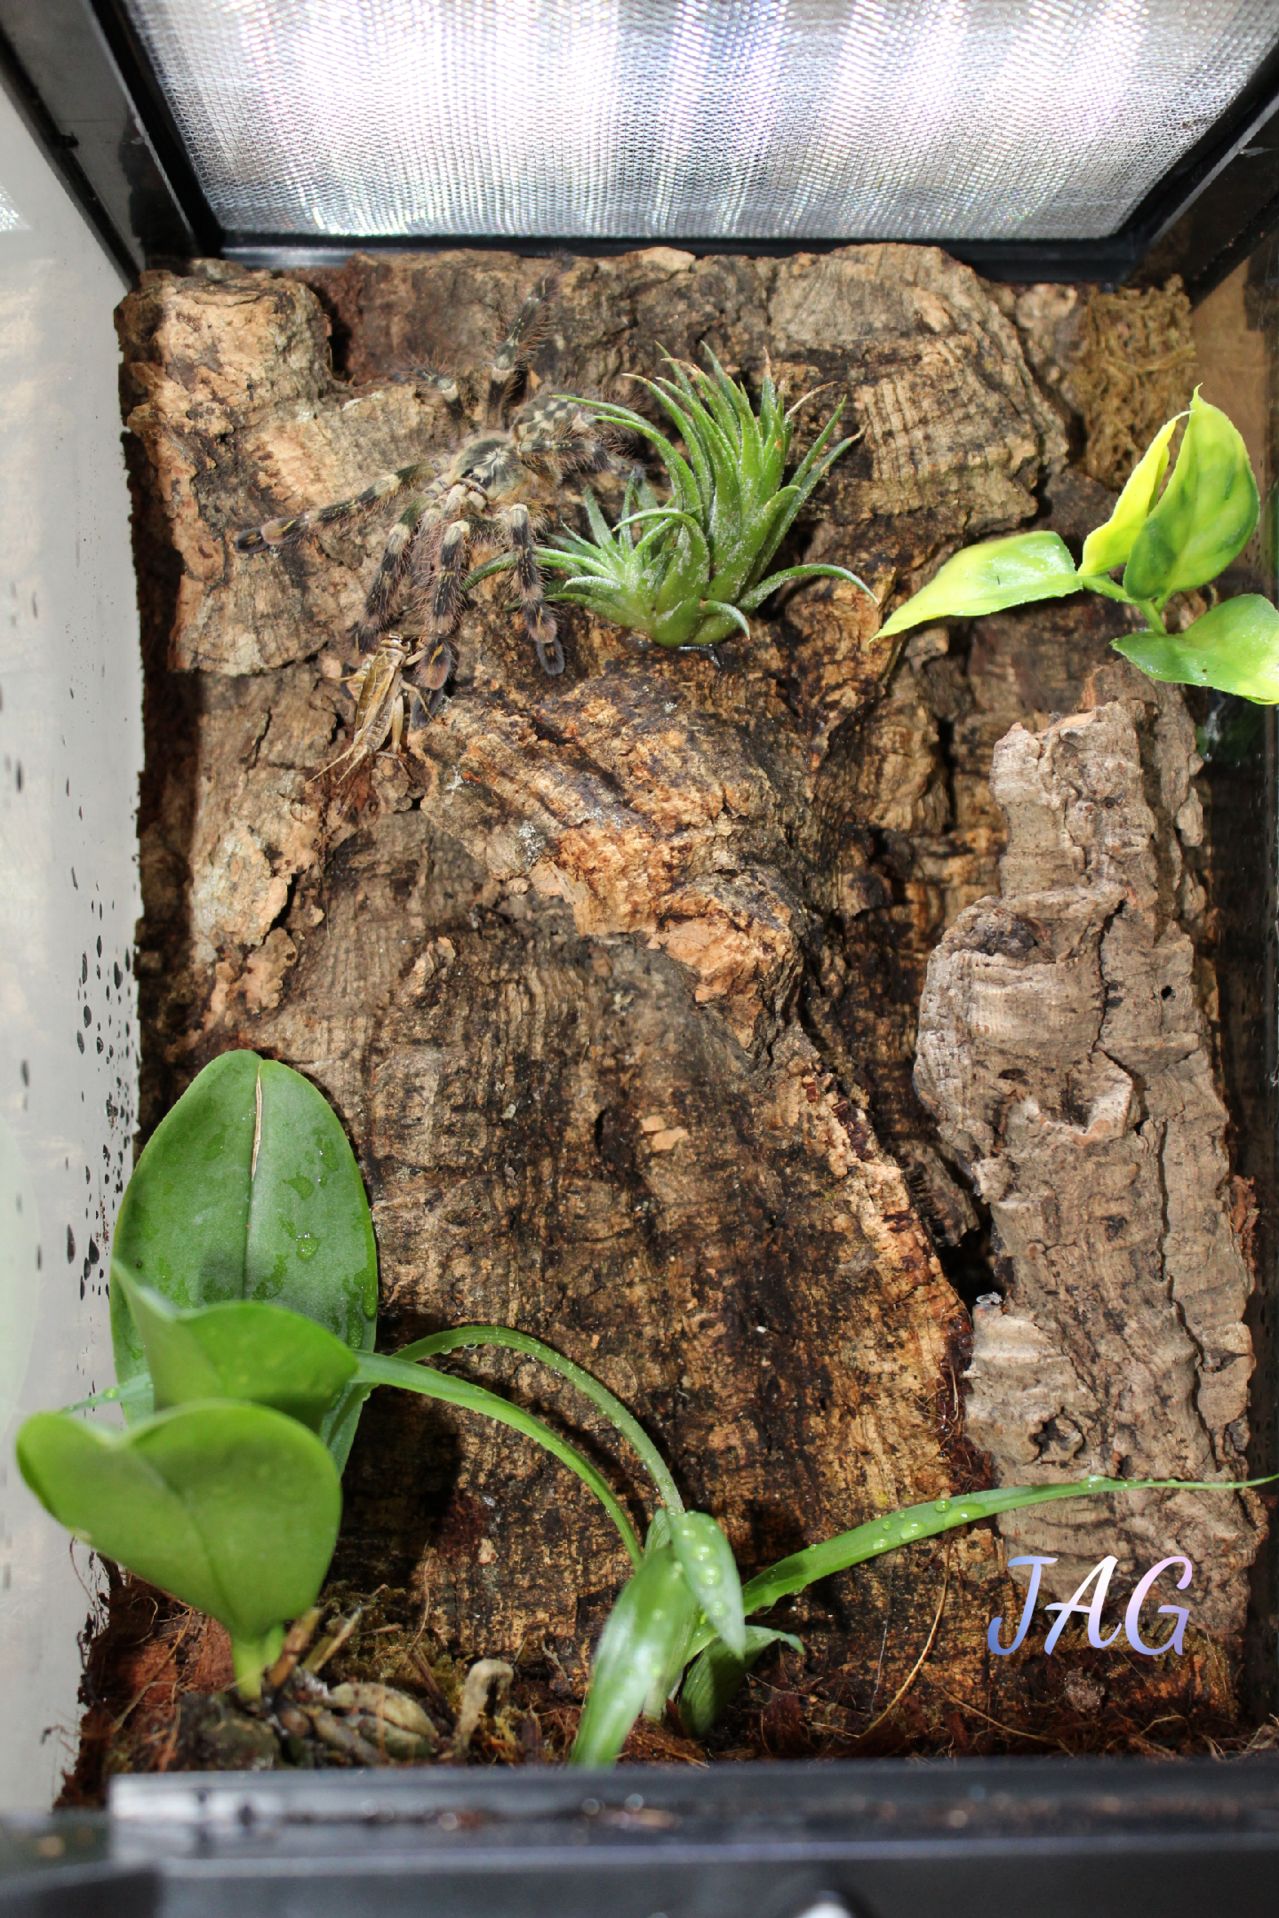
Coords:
pixel 410 1377
pixel 709 1566
pixel 645 1635
pixel 801 1569
pixel 599 1395
pixel 716 1674
pixel 758 594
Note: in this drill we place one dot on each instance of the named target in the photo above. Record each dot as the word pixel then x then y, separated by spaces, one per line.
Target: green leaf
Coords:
pixel 989 577
pixel 232 1508
pixel 599 1395
pixel 1108 546
pixel 643 1638
pixel 902 1527
pixel 758 594
pixel 716 1674
pixel 1205 517
pixel 374 1369
pixel 241 1350
pixel 709 1566
pixel 1234 647
pixel 248 1189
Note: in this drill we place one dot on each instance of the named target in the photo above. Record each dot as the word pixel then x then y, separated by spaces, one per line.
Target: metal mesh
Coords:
pixel 781 119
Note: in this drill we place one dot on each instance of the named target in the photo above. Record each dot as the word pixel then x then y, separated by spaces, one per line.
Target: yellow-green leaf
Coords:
pixel 1205 517
pixel 1235 648
pixel 990 577
pixel 1108 546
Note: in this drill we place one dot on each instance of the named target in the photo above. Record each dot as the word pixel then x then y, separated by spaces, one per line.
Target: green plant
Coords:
pixel 697 564
pixel 243 1311
pixel 1166 544
pixel 243 1321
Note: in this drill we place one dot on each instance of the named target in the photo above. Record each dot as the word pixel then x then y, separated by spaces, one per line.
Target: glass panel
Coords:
pixel 873 119
pixel 70 755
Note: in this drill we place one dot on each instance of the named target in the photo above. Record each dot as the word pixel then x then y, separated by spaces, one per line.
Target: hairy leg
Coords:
pixel 274 532
pixel 388 581
pixel 512 356
pixel 538 619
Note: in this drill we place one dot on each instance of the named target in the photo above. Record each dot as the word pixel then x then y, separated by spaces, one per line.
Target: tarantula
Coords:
pixel 491 496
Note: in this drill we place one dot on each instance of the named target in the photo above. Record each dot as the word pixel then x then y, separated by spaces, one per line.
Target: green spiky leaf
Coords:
pixel 694 573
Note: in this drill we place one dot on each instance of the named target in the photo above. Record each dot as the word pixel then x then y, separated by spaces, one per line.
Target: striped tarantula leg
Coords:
pixel 276 532
pixel 538 619
pixel 446 386
pixel 450 572
pixel 431 675
pixel 397 555
pixel 512 356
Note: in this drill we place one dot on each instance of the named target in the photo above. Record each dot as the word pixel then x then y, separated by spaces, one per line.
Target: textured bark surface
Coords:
pixel 1064 1054
pixel 616 989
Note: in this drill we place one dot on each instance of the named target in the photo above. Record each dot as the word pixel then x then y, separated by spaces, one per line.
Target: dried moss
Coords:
pixel 1136 368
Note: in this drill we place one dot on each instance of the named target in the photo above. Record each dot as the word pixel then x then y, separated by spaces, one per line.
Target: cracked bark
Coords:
pixel 1065 1056
pixel 616 990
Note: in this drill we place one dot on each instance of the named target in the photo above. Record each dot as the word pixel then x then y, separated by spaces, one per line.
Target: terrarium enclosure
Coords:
pixel 857 1052
pixel 670 1004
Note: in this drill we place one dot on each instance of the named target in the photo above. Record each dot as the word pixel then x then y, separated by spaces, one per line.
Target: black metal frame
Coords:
pixel 889 1838
pixel 897 1840
pixel 83 80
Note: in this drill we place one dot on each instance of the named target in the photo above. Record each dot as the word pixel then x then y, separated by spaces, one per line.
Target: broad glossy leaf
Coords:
pixel 1108 546
pixel 716 1674
pixel 643 1639
pixel 1234 647
pixel 709 1566
pixel 232 1508
pixel 241 1350
pixel 248 1189
pixel 1205 517
pixel 986 578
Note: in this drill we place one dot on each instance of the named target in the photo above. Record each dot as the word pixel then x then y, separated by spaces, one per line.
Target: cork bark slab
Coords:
pixel 615 988
pixel 1064 1052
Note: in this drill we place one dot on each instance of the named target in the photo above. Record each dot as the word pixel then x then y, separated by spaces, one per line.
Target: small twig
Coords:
pixel 296 1640
pixel 915 1669
pixel 334 1642
pixel 965 1705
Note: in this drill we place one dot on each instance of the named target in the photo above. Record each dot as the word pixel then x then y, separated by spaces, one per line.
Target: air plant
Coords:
pixel 688 570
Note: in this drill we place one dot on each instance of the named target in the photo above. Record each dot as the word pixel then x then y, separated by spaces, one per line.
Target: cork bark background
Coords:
pixel 616 991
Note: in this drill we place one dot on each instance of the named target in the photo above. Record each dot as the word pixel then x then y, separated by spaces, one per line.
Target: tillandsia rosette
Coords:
pixel 1166 544
pixel 687 571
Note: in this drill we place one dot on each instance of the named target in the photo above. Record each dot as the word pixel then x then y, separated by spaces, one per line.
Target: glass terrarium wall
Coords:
pixel 70 752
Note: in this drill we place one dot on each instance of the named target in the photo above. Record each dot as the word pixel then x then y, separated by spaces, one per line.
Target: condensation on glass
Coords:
pixel 786 119
pixel 70 753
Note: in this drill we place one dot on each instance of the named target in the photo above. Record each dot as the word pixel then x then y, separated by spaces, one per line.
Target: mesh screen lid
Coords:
pixel 782 119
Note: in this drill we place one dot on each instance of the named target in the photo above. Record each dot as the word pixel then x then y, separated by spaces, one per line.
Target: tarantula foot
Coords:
pixel 436 667
pixel 550 654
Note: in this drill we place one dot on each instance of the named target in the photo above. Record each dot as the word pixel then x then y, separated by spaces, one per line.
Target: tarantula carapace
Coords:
pixel 486 501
